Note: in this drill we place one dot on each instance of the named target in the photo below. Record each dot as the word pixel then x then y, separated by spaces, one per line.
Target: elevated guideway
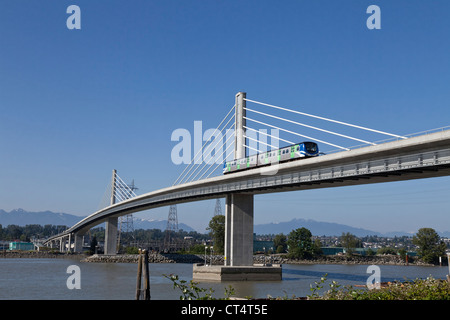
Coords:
pixel 414 158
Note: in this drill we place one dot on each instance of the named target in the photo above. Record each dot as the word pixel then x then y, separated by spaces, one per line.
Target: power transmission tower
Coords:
pixel 172 226
pixel 218 208
pixel 126 222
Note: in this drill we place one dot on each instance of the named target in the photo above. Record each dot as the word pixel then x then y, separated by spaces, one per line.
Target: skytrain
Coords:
pixel 296 151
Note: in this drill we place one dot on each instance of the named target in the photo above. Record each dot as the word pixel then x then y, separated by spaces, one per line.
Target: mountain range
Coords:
pixel 319 228
pixel 21 217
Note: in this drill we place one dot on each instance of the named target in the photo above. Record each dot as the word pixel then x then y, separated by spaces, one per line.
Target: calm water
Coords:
pixel 46 279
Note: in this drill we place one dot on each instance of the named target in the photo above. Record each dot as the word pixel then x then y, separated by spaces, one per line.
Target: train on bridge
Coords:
pixel 289 153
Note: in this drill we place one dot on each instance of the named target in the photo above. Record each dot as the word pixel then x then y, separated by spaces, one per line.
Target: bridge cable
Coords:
pixel 201 150
pixel 268 135
pixel 311 127
pixel 220 163
pixel 327 119
pixel 185 178
pixel 295 133
pixel 131 193
pixel 269 145
pixel 205 163
pixel 220 156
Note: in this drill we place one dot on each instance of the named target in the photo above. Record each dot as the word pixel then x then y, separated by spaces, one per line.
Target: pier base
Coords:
pixel 237 273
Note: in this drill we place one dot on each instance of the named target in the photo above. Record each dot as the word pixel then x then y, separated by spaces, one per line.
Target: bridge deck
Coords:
pixel 414 158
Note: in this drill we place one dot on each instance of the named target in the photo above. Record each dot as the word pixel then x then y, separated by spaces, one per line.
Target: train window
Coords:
pixel 298 148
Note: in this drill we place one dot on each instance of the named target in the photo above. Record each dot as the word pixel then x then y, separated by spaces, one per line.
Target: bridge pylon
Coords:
pixel 239 207
pixel 112 222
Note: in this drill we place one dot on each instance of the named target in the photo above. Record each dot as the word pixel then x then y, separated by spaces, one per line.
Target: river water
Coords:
pixel 46 279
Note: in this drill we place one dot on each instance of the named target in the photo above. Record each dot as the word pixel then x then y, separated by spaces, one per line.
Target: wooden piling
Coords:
pixel 146 277
pixel 139 275
pixel 143 270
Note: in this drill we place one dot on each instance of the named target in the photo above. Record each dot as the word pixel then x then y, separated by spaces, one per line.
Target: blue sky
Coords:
pixel 76 104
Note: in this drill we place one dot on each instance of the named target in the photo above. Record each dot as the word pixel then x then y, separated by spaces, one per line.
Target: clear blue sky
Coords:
pixel 75 104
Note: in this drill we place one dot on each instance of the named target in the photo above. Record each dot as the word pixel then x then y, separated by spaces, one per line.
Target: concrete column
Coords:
pixel 69 243
pixel 239 230
pixel 227 246
pixel 111 236
pixel 78 243
pixel 239 139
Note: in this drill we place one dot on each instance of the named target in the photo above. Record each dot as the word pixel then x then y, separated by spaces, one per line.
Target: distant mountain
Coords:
pixel 157 224
pixel 21 217
pixel 318 228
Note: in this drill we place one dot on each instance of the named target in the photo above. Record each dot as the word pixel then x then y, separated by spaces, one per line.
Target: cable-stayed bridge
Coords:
pixel 399 157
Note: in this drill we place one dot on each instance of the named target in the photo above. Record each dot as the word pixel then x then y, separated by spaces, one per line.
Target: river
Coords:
pixel 46 279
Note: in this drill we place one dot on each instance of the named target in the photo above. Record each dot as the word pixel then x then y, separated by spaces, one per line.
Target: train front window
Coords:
pixel 311 147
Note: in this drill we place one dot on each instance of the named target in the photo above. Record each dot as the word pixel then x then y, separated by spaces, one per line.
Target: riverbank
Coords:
pixel 16 254
pixel 257 259
pixel 215 259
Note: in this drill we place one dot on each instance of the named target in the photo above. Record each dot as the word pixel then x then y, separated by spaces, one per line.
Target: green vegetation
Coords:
pixel 191 291
pixel 280 243
pixel 14 232
pixel 216 229
pixel 419 289
pixel 301 245
pixel 430 245
pixel 350 242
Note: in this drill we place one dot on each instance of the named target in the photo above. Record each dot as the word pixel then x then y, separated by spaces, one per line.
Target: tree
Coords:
pixel 216 229
pixel 349 242
pixel 430 245
pixel 279 243
pixel 300 244
pixel 93 245
pixel 317 247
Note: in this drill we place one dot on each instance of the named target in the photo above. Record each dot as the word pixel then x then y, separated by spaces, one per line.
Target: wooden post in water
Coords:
pixel 143 270
pixel 146 277
pixel 139 273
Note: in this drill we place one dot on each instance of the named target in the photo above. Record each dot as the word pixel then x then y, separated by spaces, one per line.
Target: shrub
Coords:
pixel 419 289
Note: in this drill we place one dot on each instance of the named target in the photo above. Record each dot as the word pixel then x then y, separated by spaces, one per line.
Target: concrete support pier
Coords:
pixel 78 243
pixel 255 272
pixel 238 248
pixel 111 236
pixel 239 230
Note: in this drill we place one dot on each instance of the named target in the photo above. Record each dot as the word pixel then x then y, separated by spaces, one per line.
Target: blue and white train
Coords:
pixel 296 151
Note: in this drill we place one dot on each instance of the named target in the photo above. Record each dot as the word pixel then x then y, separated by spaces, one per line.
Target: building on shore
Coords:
pixel 17 245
